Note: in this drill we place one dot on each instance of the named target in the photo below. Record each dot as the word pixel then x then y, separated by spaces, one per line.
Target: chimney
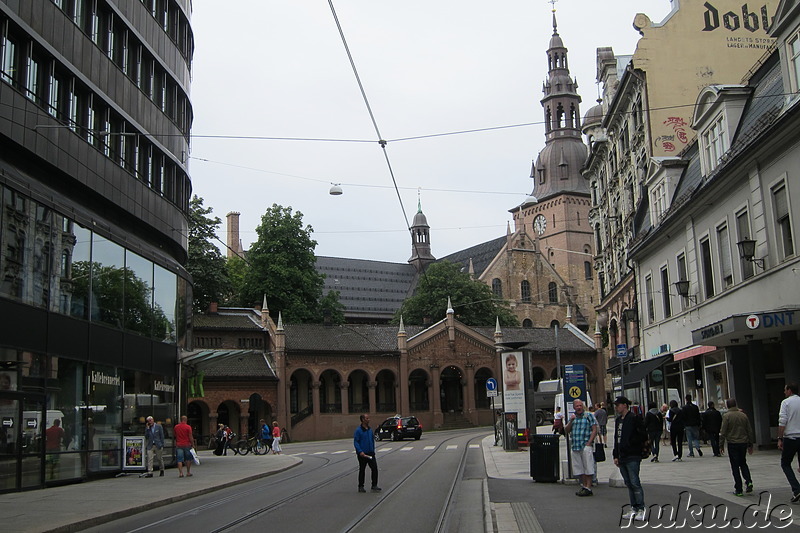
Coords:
pixel 327 321
pixel 233 241
pixel 213 308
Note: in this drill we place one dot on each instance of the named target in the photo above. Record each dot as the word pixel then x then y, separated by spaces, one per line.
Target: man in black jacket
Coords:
pixel 691 417
pixel 712 423
pixel 630 438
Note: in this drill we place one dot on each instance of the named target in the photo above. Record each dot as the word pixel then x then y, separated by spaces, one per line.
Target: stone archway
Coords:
pixel 482 401
pixel 257 410
pixel 418 384
pixel 385 393
pixel 300 401
pixel 452 390
pixel 197 413
pixel 330 392
pixel 228 414
pixel 358 392
pixel 537 375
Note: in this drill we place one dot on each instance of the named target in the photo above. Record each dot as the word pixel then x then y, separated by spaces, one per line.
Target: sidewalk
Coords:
pixel 79 506
pixel 707 474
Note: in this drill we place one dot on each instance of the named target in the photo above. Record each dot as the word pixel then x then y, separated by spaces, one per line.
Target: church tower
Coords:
pixel 557 212
pixel 420 241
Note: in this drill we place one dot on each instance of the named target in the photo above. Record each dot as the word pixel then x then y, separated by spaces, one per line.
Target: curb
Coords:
pixel 116 515
pixel 488 523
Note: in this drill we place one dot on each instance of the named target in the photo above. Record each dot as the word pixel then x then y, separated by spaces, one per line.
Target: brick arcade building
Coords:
pixel 314 378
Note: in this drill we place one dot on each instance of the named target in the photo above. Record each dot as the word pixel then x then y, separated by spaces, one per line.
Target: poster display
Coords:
pixel 109 453
pixel 134 453
pixel 513 393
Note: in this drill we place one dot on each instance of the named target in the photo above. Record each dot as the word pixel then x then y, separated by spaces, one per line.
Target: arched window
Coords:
pixel 527 323
pixel 525 289
pixel 587 269
pixel 554 323
pixel 552 292
pixel 497 288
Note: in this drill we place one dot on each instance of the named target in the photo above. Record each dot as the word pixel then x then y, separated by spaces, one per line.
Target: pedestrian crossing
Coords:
pixel 385 449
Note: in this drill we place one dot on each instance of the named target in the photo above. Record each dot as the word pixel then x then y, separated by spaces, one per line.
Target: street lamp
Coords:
pixel 682 287
pixel 747 251
pixel 336 190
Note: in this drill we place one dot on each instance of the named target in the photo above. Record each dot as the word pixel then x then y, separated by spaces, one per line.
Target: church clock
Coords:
pixel 540 224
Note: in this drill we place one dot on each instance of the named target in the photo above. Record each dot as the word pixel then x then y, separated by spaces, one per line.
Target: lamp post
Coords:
pixel 747 251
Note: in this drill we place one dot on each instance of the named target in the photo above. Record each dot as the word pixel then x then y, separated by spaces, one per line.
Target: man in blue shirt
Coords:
pixel 582 429
pixel 364 442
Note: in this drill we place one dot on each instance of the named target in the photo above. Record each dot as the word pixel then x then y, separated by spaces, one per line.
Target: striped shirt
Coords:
pixel 581 430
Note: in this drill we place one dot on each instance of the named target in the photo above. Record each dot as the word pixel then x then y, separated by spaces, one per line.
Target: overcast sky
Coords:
pixel 279 69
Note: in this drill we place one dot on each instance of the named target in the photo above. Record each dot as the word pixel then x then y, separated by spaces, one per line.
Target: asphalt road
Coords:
pixel 420 481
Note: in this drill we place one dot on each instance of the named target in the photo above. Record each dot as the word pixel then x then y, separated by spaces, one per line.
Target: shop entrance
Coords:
pixel 23 430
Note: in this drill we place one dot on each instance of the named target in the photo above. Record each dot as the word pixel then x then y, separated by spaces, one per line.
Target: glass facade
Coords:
pixel 63 418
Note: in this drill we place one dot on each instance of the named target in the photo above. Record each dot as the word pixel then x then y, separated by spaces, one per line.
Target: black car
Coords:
pixel 399 428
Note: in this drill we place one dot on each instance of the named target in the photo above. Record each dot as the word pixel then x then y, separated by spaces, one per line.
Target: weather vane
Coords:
pixel 553 3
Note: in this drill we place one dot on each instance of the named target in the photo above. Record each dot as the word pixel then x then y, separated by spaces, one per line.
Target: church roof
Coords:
pixel 250 365
pixel 346 339
pixel 540 339
pixel 223 321
pixel 481 254
pixel 368 289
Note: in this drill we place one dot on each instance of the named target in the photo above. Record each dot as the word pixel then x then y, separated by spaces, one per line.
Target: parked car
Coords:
pixel 399 428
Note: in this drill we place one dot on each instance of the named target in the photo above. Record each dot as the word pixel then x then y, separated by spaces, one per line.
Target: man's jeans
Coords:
pixel 714 439
pixel 362 467
pixel 629 468
pixel 693 438
pixel 737 454
pixel 790 449
pixel 655 442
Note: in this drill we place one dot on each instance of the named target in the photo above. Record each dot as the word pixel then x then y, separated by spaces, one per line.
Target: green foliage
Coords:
pixel 330 304
pixel 473 301
pixel 282 266
pixel 120 298
pixel 206 264
pixel 237 268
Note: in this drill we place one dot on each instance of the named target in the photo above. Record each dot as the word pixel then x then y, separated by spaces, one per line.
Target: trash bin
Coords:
pixel 545 458
pixel 510 431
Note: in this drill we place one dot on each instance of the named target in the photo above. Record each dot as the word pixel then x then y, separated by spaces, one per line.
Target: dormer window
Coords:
pixel 794 61
pixel 715 143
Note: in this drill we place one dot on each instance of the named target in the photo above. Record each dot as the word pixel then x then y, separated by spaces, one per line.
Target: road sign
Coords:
pixel 492 394
pixel 622 350
pixel 491 386
pixel 575 382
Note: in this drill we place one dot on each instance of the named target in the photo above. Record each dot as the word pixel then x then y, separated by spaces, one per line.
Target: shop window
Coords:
pixel 103 412
pixel 107 274
pixel 138 281
pixel 165 305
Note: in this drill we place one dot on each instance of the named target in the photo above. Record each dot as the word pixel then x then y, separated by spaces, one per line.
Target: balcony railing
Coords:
pixel 302 415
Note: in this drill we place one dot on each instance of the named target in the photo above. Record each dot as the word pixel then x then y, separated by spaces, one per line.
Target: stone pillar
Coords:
pixel 469 397
pixel 344 387
pixel 758 383
pixel 213 418
pixel 244 418
pixel 373 402
pixel 315 406
pixel 739 377
pixel 791 361
pixel 438 418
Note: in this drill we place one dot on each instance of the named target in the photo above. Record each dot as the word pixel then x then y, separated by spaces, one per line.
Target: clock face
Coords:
pixel 540 224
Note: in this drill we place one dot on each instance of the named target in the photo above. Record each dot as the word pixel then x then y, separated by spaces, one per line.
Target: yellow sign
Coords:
pixel 575 392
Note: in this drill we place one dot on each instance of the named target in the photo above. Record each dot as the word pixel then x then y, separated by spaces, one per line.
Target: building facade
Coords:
pixel 314 380
pixel 717 268
pixel 638 130
pixel 94 137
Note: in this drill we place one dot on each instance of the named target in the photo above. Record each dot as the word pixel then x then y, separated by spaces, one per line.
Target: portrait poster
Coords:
pixel 133 447
pixel 109 453
pixel 513 387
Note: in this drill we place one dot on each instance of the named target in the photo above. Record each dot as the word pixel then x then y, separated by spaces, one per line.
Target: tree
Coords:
pixel 331 306
pixel 281 264
pixel 473 301
pixel 237 270
pixel 206 263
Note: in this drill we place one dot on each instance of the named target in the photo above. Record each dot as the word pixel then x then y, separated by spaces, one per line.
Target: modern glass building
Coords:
pixel 94 193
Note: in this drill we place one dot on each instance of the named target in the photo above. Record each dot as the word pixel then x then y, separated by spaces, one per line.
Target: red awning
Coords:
pixel 691 352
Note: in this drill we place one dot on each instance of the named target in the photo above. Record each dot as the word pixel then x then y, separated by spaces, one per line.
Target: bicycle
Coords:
pixel 254 444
